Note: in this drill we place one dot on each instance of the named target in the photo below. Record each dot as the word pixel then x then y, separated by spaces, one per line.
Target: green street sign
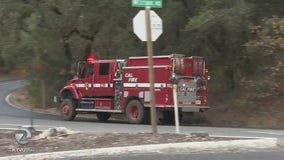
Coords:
pixel 147 3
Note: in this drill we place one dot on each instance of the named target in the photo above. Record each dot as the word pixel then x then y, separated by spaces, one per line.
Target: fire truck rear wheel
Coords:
pixel 135 112
pixel 68 109
pixel 103 116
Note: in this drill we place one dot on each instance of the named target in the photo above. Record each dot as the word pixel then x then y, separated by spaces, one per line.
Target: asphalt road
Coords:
pixel 11 117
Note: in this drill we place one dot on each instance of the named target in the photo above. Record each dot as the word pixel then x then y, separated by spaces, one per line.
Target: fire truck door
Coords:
pixel 103 81
pixel 86 79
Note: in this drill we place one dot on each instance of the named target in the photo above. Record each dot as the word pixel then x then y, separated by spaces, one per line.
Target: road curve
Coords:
pixel 6 87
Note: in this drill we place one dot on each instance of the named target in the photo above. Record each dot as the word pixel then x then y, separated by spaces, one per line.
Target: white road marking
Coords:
pixel 7 99
pixel 17 125
pixel 265 132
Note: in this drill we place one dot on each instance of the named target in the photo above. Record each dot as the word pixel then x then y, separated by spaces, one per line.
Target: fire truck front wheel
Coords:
pixel 135 112
pixel 68 109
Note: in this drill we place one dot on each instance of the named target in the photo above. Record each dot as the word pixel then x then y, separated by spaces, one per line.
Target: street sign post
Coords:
pixel 147 3
pixel 139 23
pixel 151 70
pixel 147 25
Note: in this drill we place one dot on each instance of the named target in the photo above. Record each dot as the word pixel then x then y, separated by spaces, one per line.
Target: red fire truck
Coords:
pixel 105 87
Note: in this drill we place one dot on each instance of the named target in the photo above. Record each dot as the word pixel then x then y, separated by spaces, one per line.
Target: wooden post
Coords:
pixel 151 71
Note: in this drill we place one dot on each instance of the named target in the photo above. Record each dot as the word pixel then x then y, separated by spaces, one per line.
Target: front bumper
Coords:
pixel 194 108
pixel 57 99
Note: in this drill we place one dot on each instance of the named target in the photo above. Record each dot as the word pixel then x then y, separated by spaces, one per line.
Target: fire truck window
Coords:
pixel 104 69
pixel 89 70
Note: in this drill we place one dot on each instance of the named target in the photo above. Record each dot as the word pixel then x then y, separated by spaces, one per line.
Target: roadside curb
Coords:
pixel 280 142
pixel 261 143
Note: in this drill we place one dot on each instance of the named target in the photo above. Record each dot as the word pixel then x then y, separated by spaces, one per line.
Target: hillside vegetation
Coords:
pixel 241 40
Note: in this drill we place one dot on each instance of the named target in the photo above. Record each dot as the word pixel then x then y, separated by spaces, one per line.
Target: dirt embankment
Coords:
pixel 229 111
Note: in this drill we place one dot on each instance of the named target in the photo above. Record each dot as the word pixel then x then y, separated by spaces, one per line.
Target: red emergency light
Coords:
pixel 205 72
pixel 90 58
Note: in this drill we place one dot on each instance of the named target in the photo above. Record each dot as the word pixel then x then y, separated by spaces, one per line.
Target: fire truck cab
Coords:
pixel 122 86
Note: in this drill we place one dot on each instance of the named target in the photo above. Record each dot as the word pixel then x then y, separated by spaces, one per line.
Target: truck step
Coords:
pixel 93 99
pixel 97 110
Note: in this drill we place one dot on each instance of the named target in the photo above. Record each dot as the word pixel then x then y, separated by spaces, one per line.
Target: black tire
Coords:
pixel 135 112
pixel 103 116
pixel 169 117
pixel 68 112
pixel 147 115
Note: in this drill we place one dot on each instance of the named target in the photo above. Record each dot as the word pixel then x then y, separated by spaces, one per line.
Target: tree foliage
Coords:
pixel 218 32
pixel 265 53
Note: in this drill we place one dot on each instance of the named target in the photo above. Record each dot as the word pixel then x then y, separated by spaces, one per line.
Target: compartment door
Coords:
pixel 103 80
